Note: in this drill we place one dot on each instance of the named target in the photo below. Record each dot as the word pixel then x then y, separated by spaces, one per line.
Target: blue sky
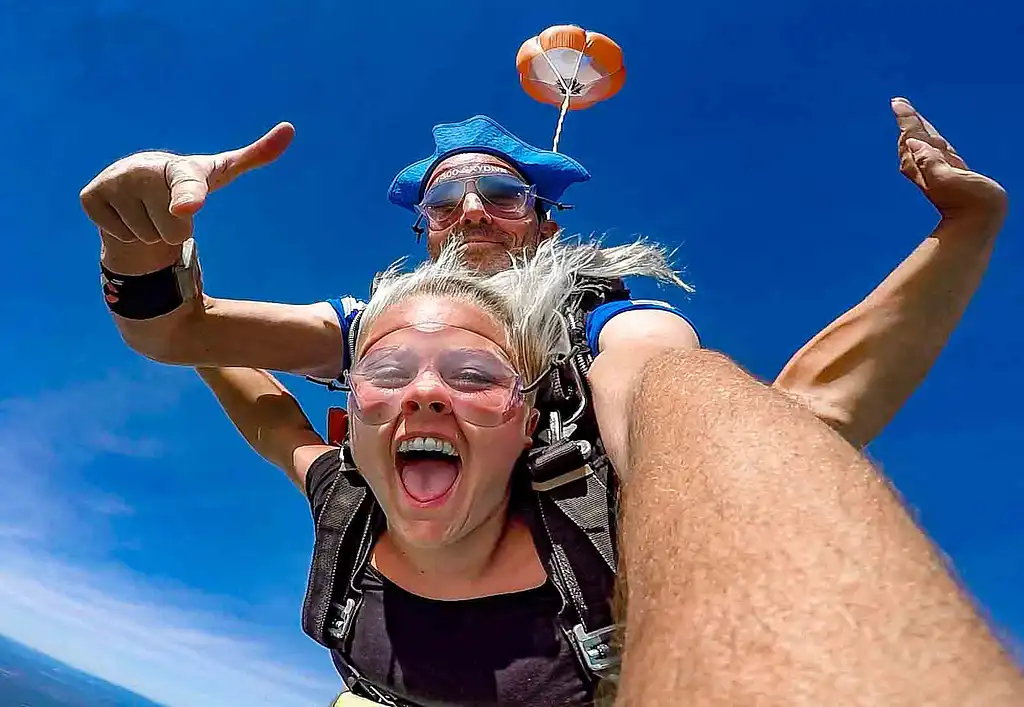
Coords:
pixel 140 538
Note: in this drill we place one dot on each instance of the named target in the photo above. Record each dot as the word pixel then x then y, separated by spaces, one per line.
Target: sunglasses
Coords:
pixel 502 195
pixel 477 385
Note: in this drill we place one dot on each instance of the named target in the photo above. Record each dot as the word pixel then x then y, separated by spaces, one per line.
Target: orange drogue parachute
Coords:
pixel 570 67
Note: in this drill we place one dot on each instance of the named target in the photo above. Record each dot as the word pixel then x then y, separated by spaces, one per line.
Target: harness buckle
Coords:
pixel 560 463
pixel 341 626
pixel 595 648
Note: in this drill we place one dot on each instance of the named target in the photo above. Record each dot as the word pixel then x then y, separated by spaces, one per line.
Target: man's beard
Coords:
pixel 494 249
pixel 483 234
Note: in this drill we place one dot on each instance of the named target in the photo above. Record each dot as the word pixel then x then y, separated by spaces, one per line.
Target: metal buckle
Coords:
pixel 595 648
pixel 568 477
pixel 341 626
pixel 561 460
pixel 579 467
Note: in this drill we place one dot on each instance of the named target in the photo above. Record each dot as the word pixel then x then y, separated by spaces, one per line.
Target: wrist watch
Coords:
pixel 187 272
pixel 157 293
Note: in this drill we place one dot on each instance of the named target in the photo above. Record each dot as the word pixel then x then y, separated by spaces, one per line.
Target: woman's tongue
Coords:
pixel 428 479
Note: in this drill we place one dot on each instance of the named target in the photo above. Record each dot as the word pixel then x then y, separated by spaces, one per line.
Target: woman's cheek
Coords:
pixel 504 446
pixel 367 457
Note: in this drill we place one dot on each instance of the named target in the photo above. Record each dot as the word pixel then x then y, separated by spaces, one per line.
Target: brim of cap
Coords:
pixel 551 172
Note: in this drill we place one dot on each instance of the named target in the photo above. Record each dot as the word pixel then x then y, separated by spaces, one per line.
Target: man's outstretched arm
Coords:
pixel 767 562
pixel 143 206
pixel 860 370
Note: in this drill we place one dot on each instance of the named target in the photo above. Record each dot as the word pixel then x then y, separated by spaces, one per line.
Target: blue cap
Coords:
pixel 550 172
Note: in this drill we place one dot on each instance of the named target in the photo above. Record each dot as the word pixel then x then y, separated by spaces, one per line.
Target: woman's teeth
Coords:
pixel 427 444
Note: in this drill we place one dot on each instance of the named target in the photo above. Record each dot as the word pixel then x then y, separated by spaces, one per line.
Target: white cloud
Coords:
pixel 62 595
pixel 168 644
pixel 46 438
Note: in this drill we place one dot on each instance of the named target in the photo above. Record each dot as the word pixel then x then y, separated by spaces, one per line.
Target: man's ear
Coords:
pixel 548 229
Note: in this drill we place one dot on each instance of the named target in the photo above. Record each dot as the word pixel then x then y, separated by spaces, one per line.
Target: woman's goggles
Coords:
pixel 479 386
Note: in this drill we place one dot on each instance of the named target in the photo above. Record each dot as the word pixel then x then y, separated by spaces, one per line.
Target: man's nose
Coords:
pixel 473 211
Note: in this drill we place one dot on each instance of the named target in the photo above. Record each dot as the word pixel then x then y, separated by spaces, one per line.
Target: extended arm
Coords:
pixel 767 562
pixel 144 206
pixel 627 343
pixel 859 371
pixel 269 418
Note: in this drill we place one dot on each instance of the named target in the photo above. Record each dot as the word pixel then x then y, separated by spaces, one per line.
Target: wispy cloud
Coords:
pixel 48 437
pixel 61 593
pixel 168 643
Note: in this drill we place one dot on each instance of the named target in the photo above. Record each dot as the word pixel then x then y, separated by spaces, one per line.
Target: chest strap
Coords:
pixel 342 541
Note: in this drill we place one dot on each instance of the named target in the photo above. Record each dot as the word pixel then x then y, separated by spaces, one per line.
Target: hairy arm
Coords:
pixel 627 343
pixel 860 370
pixel 768 563
pixel 268 417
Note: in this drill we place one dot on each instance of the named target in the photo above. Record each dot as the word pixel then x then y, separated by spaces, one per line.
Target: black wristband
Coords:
pixel 141 296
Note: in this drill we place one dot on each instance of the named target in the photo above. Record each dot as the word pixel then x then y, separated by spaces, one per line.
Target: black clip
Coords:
pixel 559 463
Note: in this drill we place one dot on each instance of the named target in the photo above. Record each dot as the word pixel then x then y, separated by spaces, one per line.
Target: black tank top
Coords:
pixel 505 649
pixel 498 650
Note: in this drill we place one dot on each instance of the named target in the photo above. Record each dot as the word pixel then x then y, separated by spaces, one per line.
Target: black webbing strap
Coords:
pixel 340 529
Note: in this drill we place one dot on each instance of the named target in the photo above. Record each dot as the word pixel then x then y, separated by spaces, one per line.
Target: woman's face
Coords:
pixel 438 421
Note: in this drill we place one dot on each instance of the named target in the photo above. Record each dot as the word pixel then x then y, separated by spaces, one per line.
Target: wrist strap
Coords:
pixel 141 296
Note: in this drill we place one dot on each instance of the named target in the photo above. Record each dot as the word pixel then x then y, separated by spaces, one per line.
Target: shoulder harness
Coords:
pixel 572 503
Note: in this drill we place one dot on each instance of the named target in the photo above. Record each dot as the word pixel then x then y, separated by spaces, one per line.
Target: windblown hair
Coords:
pixel 526 299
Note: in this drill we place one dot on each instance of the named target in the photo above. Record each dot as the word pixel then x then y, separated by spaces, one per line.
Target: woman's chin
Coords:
pixel 426 534
pixel 427 523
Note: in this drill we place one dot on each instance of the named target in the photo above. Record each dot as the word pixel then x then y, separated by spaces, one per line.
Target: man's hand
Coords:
pixel 928 160
pixel 144 205
pixel 859 370
pixel 151 197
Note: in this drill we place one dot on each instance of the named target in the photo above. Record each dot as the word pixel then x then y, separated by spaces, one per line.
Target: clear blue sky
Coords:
pixel 140 539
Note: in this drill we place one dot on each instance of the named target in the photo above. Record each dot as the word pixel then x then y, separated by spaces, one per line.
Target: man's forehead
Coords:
pixel 470 164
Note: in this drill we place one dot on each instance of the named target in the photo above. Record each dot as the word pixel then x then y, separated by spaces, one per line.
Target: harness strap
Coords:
pixel 346 511
pixel 585 504
pixel 576 492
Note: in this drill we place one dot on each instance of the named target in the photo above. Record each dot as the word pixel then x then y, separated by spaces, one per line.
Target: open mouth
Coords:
pixel 428 468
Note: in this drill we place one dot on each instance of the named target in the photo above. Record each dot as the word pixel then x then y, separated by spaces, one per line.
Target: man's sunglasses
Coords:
pixel 502 195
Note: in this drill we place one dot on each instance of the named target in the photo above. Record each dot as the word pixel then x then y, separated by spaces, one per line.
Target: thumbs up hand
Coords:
pixel 151 197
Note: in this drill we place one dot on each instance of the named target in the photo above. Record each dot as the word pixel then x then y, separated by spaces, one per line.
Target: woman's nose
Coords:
pixel 427 393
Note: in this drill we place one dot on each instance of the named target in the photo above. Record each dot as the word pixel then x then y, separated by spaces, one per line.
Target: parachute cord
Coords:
pixel 567 91
pixel 561 119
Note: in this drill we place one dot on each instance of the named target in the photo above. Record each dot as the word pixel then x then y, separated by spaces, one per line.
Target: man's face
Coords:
pixel 488 236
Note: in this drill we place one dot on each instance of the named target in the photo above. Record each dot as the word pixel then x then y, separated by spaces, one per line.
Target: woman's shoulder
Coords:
pixel 322 473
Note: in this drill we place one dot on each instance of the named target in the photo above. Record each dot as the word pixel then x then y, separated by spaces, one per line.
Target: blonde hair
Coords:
pixel 526 299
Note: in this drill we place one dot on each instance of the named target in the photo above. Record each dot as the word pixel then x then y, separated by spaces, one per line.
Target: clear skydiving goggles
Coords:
pixel 478 384
pixel 503 196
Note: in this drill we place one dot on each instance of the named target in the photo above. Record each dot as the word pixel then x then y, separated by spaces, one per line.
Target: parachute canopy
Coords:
pixel 570 67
